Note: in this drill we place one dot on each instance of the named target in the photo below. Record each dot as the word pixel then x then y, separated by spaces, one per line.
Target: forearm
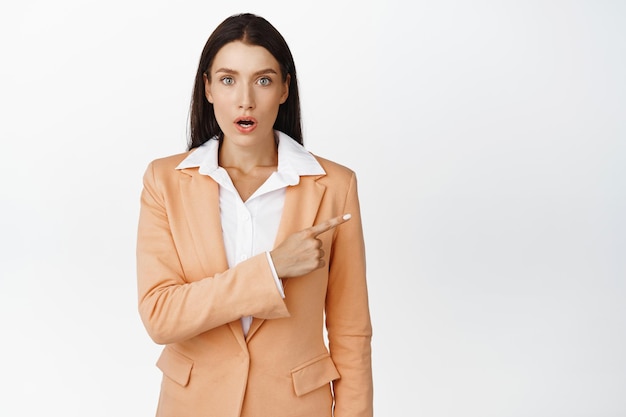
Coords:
pixel 174 310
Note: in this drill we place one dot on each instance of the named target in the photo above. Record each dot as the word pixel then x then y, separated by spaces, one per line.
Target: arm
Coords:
pixel 174 309
pixel 347 316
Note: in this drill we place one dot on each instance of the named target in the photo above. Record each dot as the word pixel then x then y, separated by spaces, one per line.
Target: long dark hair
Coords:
pixel 252 30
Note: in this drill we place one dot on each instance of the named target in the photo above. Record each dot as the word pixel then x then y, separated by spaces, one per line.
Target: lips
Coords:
pixel 245 124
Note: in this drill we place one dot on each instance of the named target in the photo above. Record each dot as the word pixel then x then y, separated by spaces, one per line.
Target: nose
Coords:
pixel 246 97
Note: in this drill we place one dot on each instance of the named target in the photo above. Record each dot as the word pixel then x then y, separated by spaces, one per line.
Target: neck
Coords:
pixel 246 158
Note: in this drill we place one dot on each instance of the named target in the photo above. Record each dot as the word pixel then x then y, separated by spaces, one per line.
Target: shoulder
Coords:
pixel 335 170
pixel 168 163
pixel 162 173
pixel 339 179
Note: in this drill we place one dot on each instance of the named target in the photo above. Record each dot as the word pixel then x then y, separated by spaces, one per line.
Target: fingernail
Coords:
pixel 347 216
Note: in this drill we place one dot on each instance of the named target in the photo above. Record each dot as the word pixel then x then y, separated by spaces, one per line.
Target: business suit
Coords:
pixel 190 301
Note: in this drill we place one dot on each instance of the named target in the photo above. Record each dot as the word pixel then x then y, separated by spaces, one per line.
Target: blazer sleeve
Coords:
pixel 347 315
pixel 174 308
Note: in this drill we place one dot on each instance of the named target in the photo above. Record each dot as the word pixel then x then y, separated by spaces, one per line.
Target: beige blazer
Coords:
pixel 192 303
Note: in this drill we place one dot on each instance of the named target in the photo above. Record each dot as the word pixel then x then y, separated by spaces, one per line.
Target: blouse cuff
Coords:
pixel 279 283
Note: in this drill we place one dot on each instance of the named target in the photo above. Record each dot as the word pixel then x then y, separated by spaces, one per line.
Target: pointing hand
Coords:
pixel 302 251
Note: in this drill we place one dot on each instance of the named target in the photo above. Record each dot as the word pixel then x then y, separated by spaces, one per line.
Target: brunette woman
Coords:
pixel 249 247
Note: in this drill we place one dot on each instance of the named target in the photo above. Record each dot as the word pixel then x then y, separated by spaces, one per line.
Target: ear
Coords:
pixel 207 88
pixel 283 98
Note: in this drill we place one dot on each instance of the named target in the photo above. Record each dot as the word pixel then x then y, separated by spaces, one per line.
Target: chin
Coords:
pixel 248 139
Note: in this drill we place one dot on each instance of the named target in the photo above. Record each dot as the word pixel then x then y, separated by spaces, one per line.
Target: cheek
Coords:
pixel 207 90
pixel 285 95
pixel 273 101
pixel 220 114
pixel 219 109
pixel 223 102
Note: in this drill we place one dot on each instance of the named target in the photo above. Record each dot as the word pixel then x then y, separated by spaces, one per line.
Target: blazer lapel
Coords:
pixel 200 196
pixel 300 210
pixel 301 205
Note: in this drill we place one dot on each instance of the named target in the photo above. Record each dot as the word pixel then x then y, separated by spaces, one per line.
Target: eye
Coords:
pixel 227 80
pixel 264 81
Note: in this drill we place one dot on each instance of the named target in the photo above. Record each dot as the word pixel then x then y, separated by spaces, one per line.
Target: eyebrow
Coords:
pixel 260 72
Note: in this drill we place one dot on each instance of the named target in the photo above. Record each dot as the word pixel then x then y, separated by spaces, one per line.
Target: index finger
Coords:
pixel 329 224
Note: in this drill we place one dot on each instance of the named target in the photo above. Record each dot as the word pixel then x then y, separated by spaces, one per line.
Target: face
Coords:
pixel 246 89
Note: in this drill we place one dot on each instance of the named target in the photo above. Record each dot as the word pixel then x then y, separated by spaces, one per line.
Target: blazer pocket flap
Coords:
pixel 314 374
pixel 175 366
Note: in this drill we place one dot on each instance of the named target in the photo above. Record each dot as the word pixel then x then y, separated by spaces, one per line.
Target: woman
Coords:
pixel 248 245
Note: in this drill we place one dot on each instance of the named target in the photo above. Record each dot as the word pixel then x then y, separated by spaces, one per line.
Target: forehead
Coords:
pixel 241 57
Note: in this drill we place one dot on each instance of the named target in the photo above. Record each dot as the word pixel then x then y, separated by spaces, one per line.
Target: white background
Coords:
pixel 489 142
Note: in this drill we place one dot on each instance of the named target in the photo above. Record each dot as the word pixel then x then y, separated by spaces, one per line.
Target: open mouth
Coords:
pixel 246 124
